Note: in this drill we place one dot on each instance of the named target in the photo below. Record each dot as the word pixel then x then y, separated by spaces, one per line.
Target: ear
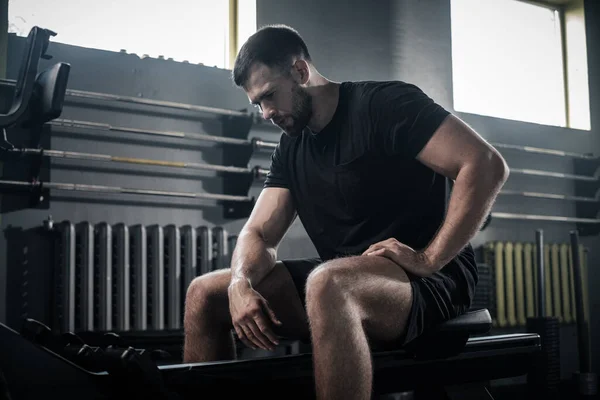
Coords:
pixel 301 71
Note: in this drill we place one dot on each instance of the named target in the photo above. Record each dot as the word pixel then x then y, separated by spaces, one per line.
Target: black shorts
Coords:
pixel 437 298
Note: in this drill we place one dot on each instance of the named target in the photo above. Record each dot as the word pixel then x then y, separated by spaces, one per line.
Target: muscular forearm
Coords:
pixel 474 192
pixel 252 258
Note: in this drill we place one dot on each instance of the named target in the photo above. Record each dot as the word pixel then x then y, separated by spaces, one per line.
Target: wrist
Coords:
pixel 239 283
pixel 429 259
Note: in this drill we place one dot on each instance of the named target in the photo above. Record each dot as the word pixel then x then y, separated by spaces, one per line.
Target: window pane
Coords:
pixel 246 20
pixel 507 61
pixel 183 30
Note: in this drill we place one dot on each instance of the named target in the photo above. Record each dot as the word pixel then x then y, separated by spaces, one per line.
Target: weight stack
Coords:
pixel 544 378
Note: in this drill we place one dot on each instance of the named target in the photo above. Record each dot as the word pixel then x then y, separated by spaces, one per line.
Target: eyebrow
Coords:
pixel 261 95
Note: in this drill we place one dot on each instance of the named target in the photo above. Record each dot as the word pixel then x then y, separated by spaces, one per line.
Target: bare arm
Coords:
pixel 255 253
pixel 478 171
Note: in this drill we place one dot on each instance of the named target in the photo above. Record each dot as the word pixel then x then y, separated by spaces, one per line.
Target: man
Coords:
pixel 366 167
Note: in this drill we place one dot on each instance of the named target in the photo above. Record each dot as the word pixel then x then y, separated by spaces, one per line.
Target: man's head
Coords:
pixel 273 67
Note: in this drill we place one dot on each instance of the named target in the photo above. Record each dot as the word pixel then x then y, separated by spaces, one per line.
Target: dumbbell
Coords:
pixel 111 340
pixel 37 332
pixel 71 345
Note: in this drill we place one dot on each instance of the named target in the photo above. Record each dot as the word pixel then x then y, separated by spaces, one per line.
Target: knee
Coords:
pixel 202 294
pixel 326 288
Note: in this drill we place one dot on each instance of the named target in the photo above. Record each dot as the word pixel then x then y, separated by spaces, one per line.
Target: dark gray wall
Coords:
pixel 397 39
pixel 346 40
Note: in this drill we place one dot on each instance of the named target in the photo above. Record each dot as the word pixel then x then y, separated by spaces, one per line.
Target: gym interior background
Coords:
pixel 351 40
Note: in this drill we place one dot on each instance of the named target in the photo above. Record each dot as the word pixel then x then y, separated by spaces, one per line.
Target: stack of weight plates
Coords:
pixel 544 379
pixel 484 291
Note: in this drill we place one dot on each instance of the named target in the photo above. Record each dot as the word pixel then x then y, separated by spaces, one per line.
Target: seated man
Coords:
pixel 366 167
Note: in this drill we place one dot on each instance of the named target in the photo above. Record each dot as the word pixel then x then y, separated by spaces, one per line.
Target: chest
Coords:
pixel 349 178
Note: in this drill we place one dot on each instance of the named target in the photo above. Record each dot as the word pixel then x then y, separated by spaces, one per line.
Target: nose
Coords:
pixel 268 113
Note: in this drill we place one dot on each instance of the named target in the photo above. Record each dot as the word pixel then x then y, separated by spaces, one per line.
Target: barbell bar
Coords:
pixel 81 94
pixel 549 174
pixel 132 160
pixel 539 150
pixel 551 196
pixel 67 123
pixel 549 218
pixel 115 189
pixel 224 197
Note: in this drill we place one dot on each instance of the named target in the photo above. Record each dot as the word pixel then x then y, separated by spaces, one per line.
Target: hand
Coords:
pixel 252 317
pixel 413 261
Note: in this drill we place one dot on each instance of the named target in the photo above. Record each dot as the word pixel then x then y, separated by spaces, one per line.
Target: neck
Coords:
pixel 325 96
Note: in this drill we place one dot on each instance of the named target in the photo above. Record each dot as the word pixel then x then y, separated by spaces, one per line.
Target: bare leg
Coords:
pixel 350 302
pixel 207 322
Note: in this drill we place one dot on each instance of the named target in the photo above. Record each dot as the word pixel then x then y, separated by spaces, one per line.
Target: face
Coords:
pixel 281 99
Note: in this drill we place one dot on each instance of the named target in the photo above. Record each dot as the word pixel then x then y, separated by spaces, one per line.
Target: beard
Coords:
pixel 301 113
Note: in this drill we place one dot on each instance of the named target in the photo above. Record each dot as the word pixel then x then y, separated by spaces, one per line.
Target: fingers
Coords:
pixel 255 336
pixel 242 336
pixel 378 252
pixel 372 248
pixel 256 332
pixel 380 246
pixel 263 333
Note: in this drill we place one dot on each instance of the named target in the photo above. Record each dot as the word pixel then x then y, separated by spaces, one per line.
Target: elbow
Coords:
pixel 496 168
pixel 491 168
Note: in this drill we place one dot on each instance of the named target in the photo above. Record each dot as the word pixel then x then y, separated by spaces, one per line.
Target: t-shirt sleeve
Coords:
pixel 404 118
pixel 277 175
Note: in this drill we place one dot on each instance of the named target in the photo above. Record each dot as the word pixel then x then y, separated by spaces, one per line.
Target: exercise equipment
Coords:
pixel 515 293
pixel 37 44
pixel 544 379
pixel 586 381
pixel 36 358
pixel 111 277
pixel 133 160
pixel 78 187
pixel 254 143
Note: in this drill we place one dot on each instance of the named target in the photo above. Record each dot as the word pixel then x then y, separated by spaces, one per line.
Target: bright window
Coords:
pixel 507 61
pixel 196 31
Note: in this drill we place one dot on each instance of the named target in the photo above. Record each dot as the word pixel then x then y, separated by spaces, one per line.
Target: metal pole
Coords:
pixel 549 218
pixel 585 362
pixel 66 123
pixel 80 94
pixel 132 160
pixel 560 175
pixel 115 189
pixel 539 239
pixel 551 196
pixel 262 144
pixel 538 150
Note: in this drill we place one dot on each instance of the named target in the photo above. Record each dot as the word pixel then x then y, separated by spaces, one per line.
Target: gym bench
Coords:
pixel 456 360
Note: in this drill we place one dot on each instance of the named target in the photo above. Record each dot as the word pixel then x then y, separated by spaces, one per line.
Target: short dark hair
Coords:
pixel 272 45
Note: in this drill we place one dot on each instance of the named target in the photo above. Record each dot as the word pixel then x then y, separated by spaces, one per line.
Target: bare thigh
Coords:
pixel 377 288
pixel 277 288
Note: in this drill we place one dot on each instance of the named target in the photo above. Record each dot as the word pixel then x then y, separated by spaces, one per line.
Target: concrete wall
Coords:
pixel 398 39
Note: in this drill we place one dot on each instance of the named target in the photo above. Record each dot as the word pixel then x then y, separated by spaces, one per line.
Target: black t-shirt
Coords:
pixel 357 181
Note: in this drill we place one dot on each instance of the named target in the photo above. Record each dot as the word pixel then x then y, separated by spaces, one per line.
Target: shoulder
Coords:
pixel 369 97
pixel 379 90
pixel 286 145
